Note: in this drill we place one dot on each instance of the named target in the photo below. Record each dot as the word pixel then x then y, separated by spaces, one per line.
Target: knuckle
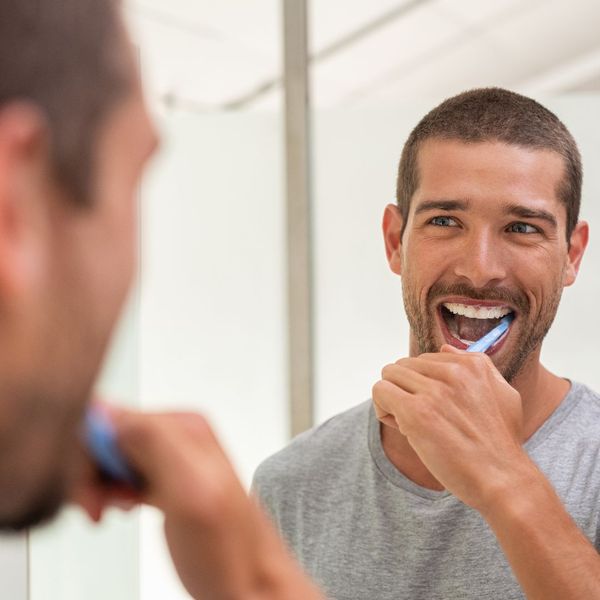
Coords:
pixel 455 371
pixel 138 430
pixel 378 389
pixel 199 423
pixel 387 371
pixel 192 423
pixel 481 361
pixel 422 412
pixel 439 390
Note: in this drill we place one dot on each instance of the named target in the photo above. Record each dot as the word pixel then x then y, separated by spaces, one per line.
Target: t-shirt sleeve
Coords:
pixel 263 489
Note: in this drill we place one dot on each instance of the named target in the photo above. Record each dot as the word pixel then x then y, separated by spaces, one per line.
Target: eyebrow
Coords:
pixel 517 210
pixel 526 212
pixel 441 205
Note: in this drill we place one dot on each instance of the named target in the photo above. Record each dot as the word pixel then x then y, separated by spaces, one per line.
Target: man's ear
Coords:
pixel 23 171
pixel 578 244
pixel 392 236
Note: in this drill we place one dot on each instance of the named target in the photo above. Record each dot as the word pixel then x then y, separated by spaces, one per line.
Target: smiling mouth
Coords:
pixel 463 324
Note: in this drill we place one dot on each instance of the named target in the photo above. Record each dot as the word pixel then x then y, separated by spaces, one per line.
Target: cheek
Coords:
pixel 116 251
pixel 541 286
pixel 123 226
pixel 423 266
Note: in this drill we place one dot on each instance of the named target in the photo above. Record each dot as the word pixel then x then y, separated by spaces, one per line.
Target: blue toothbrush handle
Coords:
pixel 490 338
pixel 101 440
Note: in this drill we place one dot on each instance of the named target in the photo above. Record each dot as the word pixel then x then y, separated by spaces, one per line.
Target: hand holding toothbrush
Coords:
pixel 461 418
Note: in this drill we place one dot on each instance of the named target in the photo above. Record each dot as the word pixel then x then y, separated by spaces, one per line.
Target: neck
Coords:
pixel 541 393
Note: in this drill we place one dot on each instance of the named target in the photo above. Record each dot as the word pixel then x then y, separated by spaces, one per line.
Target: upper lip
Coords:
pixel 475 302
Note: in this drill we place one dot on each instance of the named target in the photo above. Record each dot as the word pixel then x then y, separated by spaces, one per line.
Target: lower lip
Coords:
pixel 453 341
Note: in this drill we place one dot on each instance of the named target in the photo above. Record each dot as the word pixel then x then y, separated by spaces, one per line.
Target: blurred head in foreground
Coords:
pixel 74 138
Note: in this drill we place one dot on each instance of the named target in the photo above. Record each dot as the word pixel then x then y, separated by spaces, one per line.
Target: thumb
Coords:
pixel 449 349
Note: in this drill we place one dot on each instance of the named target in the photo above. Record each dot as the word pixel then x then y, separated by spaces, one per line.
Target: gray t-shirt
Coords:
pixel 364 531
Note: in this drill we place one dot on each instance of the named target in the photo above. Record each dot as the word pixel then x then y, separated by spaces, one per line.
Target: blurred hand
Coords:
pixel 222 544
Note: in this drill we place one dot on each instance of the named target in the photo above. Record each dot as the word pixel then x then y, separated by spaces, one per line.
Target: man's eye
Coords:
pixel 443 222
pixel 522 228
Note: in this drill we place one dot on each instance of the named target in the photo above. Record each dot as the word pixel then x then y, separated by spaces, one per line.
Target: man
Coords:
pixel 470 475
pixel 74 138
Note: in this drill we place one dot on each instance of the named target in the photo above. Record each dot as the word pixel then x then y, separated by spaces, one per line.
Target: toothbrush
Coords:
pixel 101 440
pixel 490 338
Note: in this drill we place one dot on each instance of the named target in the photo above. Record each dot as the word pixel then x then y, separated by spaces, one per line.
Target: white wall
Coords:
pixel 14 567
pixel 571 349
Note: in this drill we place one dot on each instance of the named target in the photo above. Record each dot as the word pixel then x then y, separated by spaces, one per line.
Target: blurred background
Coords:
pixel 208 326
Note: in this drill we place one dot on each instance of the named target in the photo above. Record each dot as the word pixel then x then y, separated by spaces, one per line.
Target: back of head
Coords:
pixel 65 69
pixel 67 58
pixel 494 115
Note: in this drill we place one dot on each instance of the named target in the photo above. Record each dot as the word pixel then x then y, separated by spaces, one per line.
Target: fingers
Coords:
pixel 155 444
pixel 416 375
pixel 94 494
pixel 95 498
pixel 90 500
pixel 401 399
pixel 448 348
pixel 151 439
pixel 450 367
pixel 185 469
pixel 411 378
pixel 450 354
pixel 392 405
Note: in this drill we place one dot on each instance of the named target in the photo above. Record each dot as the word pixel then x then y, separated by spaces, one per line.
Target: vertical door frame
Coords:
pixel 298 195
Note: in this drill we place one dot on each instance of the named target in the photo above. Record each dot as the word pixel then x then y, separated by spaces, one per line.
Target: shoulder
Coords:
pixel 314 453
pixel 575 424
pixel 580 389
pixel 586 404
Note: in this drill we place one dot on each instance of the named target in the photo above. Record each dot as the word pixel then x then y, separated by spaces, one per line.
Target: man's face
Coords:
pixel 84 259
pixel 485 237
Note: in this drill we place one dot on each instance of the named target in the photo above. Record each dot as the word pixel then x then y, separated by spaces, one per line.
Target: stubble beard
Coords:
pixel 533 329
pixel 39 510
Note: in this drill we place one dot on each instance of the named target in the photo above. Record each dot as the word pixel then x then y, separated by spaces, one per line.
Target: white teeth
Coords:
pixel 477 312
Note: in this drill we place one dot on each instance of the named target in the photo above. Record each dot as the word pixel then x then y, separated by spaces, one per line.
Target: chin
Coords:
pixel 35 472
pixel 36 511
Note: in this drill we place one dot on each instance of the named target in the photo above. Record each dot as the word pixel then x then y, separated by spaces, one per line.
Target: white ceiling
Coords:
pixel 226 54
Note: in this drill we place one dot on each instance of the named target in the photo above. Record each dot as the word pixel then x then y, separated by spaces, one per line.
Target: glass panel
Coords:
pixel 571 349
pixel 14 568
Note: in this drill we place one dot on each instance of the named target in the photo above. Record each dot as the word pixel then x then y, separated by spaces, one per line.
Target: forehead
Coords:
pixel 490 172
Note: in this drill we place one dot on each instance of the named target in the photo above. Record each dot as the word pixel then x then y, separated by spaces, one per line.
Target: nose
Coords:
pixel 480 261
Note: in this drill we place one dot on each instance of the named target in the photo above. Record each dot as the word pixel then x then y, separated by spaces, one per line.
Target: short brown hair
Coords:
pixel 494 114
pixel 68 58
